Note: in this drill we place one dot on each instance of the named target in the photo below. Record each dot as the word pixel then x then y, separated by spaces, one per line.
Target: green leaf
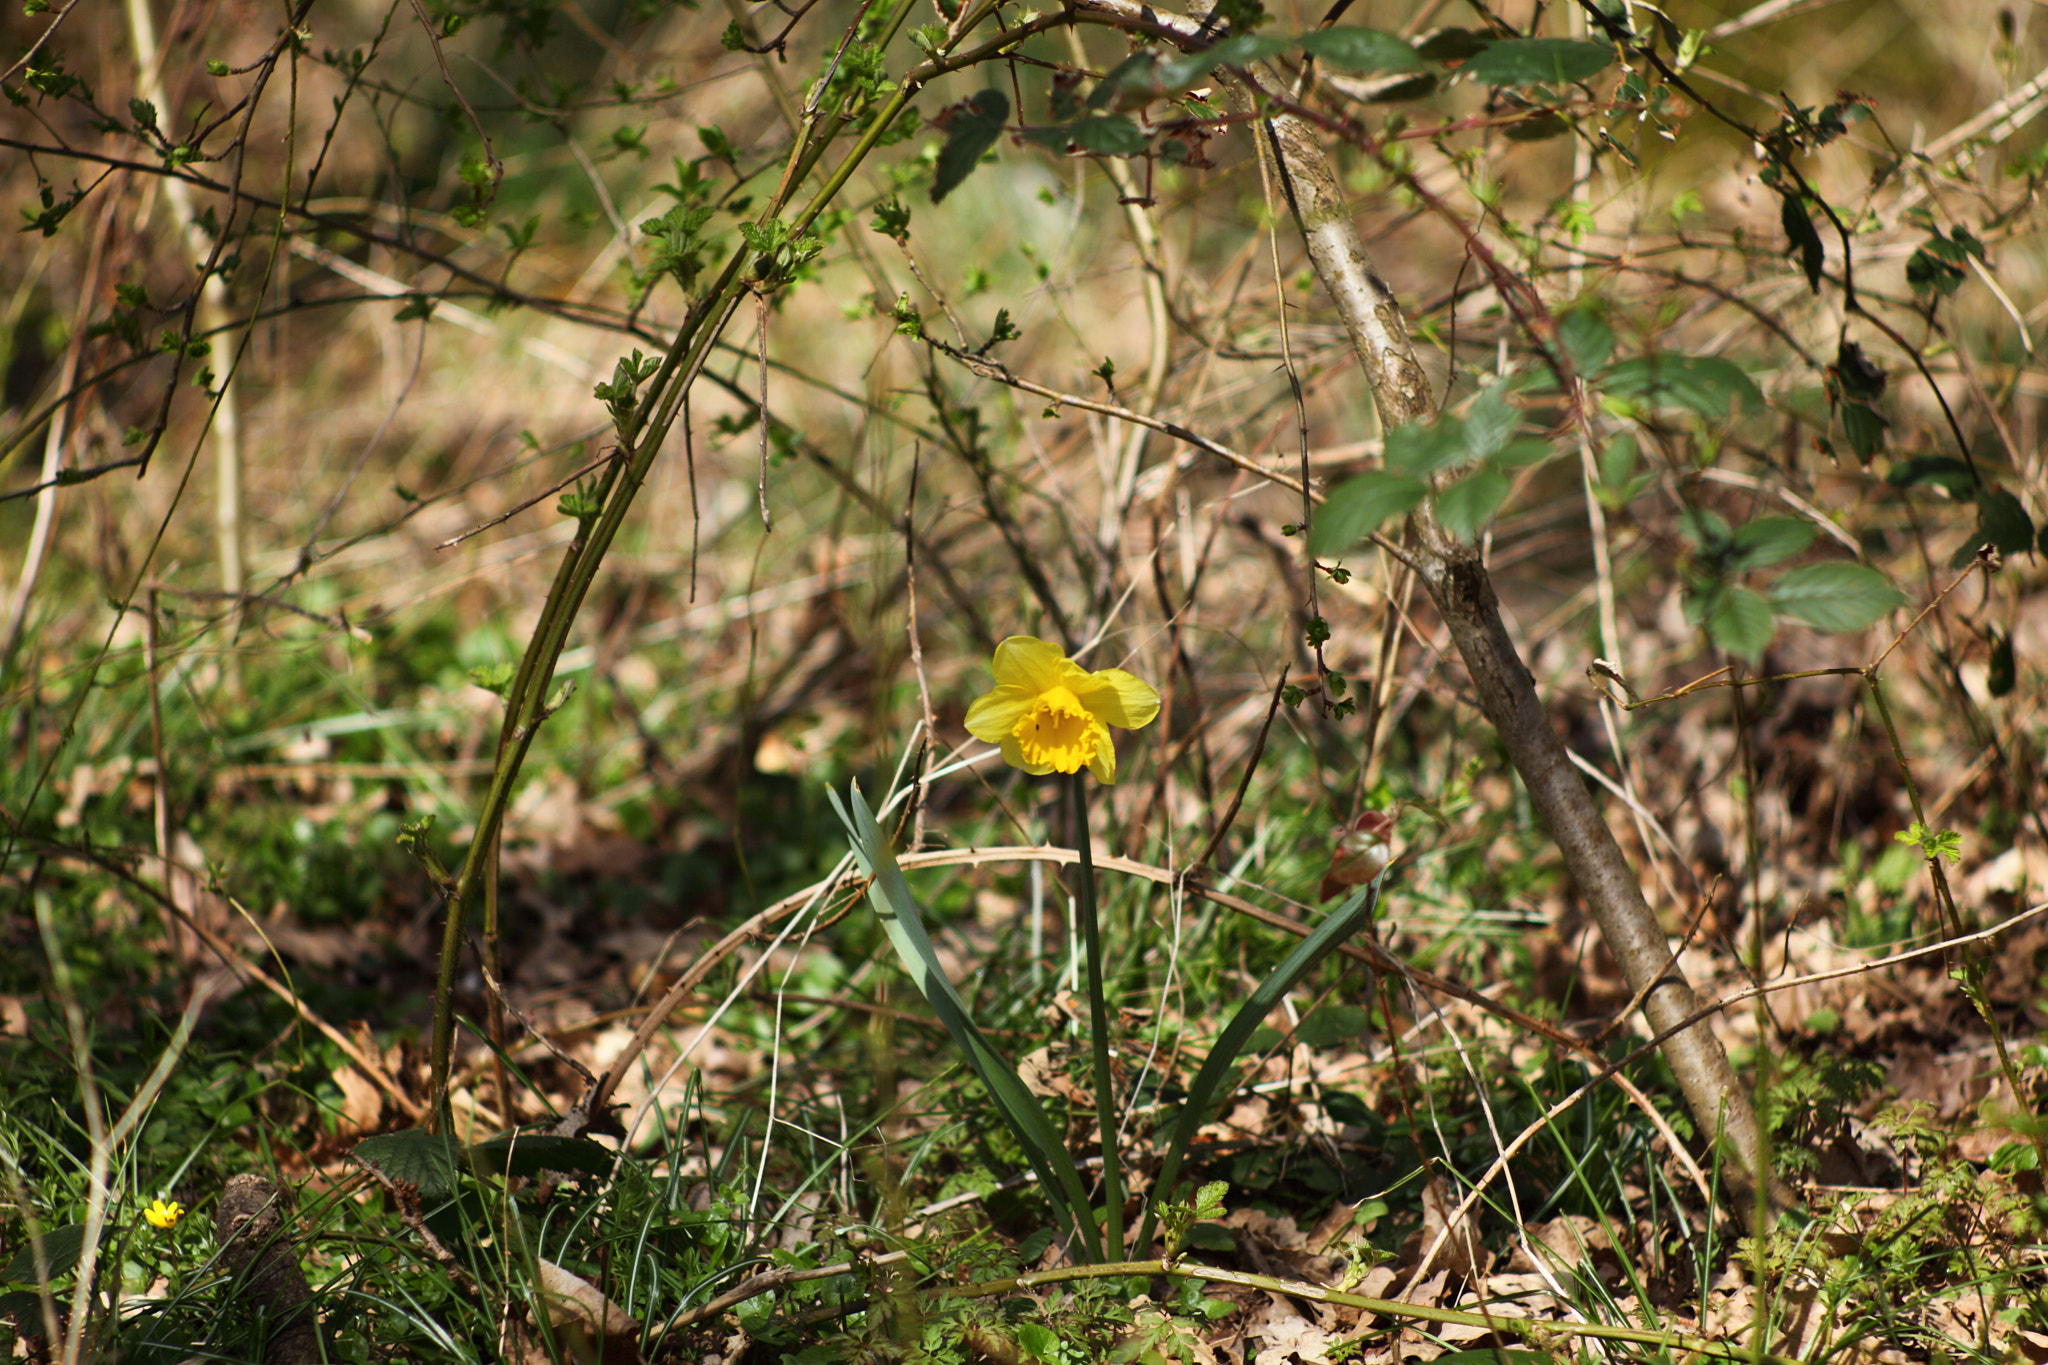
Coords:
pixel 1044 1147
pixel 1490 421
pixel 1739 621
pixel 1838 596
pixel 1452 45
pixel 1705 527
pixel 1863 428
pixel 1333 1026
pixel 1538 127
pixel 413 1156
pixel 2002 674
pixel 1423 448
pixel 1706 385
pixel 1359 506
pixel 1799 232
pixel 976 124
pixel 533 1153
pixel 1246 48
pixel 1361 51
pixel 1538 61
pixel 2003 522
pixel 1108 135
pixel 1943 471
pixel 1586 336
pixel 61 1249
pixel 1768 541
pixel 1467 505
pixel 1203 1092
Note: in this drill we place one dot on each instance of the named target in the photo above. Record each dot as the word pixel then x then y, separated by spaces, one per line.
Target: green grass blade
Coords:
pixel 1346 920
pixel 1043 1148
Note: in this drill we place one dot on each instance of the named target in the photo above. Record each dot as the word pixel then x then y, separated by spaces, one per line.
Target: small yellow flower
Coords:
pixel 1049 714
pixel 162 1215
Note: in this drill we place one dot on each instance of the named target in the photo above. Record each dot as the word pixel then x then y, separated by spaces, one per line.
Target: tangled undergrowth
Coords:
pixel 509 509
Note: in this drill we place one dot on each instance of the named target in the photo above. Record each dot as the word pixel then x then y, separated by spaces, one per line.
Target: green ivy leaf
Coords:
pixel 1836 596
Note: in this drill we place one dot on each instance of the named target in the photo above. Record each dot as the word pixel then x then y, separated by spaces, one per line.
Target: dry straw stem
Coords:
pixel 1458 583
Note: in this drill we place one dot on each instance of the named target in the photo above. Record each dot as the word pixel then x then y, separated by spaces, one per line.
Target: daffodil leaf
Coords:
pixel 1044 1148
pixel 1346 920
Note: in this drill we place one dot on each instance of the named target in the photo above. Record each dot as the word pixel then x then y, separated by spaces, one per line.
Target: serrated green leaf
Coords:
pixel 1359 506
pixel 1704 527
pixel 1423 448
pixel 1467 505
pixel 1739 621
pixel 1588 340
pixel 1769 540
pixel 1618 460
pixel 1108 135
pixel 1361 51
pixel 1837 596
pixel 1706 385
pixel 413 1156
pixel 973 130
pixel 1490 421
pixel 1539 61
pixel 1523 450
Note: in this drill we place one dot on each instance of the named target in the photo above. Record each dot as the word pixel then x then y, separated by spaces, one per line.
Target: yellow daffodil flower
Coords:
pixel 162 1215
pixel 1049 714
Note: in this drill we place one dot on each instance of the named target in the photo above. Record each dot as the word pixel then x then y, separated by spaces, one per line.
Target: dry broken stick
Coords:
pixel 252 1228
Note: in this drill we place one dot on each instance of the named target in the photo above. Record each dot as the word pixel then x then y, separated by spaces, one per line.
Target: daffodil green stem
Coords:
pixel 1098 1018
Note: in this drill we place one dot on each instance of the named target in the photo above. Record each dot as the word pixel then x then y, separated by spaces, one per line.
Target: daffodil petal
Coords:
pixel 1013 754
pixel 991 718
pixel 1123 699
pixel 1103 764
pixel 1024 661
